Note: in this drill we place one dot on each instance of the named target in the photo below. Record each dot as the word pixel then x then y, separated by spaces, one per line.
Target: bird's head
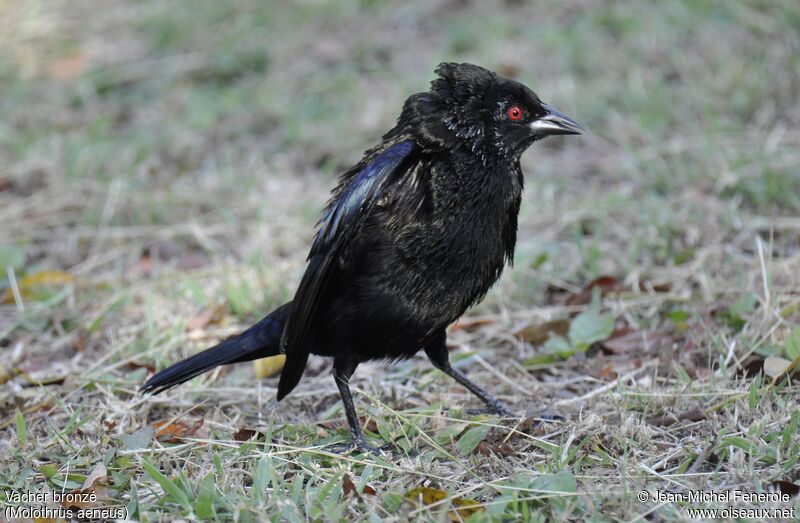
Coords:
pixel 470 105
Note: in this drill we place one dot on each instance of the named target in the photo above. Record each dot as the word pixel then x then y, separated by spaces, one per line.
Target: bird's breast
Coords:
pixel 442 253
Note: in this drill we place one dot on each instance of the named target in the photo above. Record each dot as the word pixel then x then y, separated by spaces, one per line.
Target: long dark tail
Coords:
pixel 259 341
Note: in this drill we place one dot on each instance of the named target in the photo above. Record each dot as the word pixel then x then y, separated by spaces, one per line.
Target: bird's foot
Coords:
pixel 494 407
pixel 357 445
pixel 361 446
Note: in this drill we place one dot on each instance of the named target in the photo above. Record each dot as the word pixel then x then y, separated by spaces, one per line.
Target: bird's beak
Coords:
pixel 555 122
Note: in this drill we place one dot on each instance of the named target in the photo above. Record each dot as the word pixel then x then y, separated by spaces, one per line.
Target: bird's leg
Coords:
pixel 343 368
pixel 439 356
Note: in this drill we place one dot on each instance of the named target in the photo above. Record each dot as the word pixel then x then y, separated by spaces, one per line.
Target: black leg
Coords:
pixel 437 352
pixel 343 368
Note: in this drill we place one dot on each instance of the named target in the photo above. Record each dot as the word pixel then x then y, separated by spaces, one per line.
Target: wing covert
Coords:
pixel 338 225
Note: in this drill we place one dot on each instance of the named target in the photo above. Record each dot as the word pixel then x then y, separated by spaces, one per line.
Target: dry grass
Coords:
pixel 159 161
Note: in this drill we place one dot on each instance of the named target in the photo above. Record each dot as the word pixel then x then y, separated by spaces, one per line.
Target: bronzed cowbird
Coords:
pixel 414 234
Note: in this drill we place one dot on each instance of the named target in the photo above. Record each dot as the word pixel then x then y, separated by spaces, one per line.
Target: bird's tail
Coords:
pixel 259 341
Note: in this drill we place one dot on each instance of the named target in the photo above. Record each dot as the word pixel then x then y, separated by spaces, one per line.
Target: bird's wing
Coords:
pixel 340 222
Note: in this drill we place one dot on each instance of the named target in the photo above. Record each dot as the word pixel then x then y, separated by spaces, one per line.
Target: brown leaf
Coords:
pixel 348 487
pixel 786 487
pixel 133 365
pixel 192 259
pixel 208 316
pixel 606 284
pixel 659 287
pixel 694 414
pixel 245 434
pixel 662 420
pixel 183 257
pixel 628 340
pixel 667 419
pixel 370 424
pixel 752 366
pixel 776 367
pixel 509 70
pixel 606 373
pixel 470 325
pixel 168 431
pixel 79 499
pixel 79 343
pixel 539 333
pixel 502 448
pixel 462 507
pixel 99 474
pixel 144 265
pixel 92 489
pixel 67 67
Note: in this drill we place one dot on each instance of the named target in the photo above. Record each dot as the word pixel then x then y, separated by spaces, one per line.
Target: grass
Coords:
pixel 161 170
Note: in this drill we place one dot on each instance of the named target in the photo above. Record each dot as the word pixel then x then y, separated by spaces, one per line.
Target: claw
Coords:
pixel 494 409
pixel 359 445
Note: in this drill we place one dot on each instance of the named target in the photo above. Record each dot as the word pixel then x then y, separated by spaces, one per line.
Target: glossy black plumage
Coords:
pixel 414 234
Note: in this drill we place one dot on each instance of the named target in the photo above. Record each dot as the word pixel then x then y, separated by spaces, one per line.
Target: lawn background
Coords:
pixel 162 166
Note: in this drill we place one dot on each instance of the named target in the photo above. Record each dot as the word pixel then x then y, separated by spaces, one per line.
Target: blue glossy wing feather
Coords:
pixel 358 194
pixel 340 221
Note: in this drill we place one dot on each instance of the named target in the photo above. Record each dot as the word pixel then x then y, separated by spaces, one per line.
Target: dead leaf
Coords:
pixel 775 367
pixel 208 316
pixel 143 266
pixel 173 253
pixel 67 67
pixel 509 70
pixel 29 284
pixel 268 367
pixel 503 449
pixel 192 259
pixel 751 367
pixel 470 324
pixel 606 284
pixel 348 487
pixel 606 372
pixel 173 431
pixel 659 287
pixel 628 340
pixel 539 333
pixel 462 507
pixel 786 487
pixel 99 474
pixel 665 420
pixel 90 492
pixel 133 365
pixel 532 426
pixel 245 434
pixel 79 343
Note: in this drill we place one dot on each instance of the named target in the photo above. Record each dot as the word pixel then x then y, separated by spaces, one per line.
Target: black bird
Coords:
pixel 414 234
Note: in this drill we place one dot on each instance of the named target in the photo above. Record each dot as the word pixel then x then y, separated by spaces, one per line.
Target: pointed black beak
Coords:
pixel 555 122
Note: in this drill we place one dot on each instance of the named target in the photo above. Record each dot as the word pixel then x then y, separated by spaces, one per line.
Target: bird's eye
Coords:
pixel 514 113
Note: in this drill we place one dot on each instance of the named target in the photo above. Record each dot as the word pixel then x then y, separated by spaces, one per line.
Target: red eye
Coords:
pixel 514 113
